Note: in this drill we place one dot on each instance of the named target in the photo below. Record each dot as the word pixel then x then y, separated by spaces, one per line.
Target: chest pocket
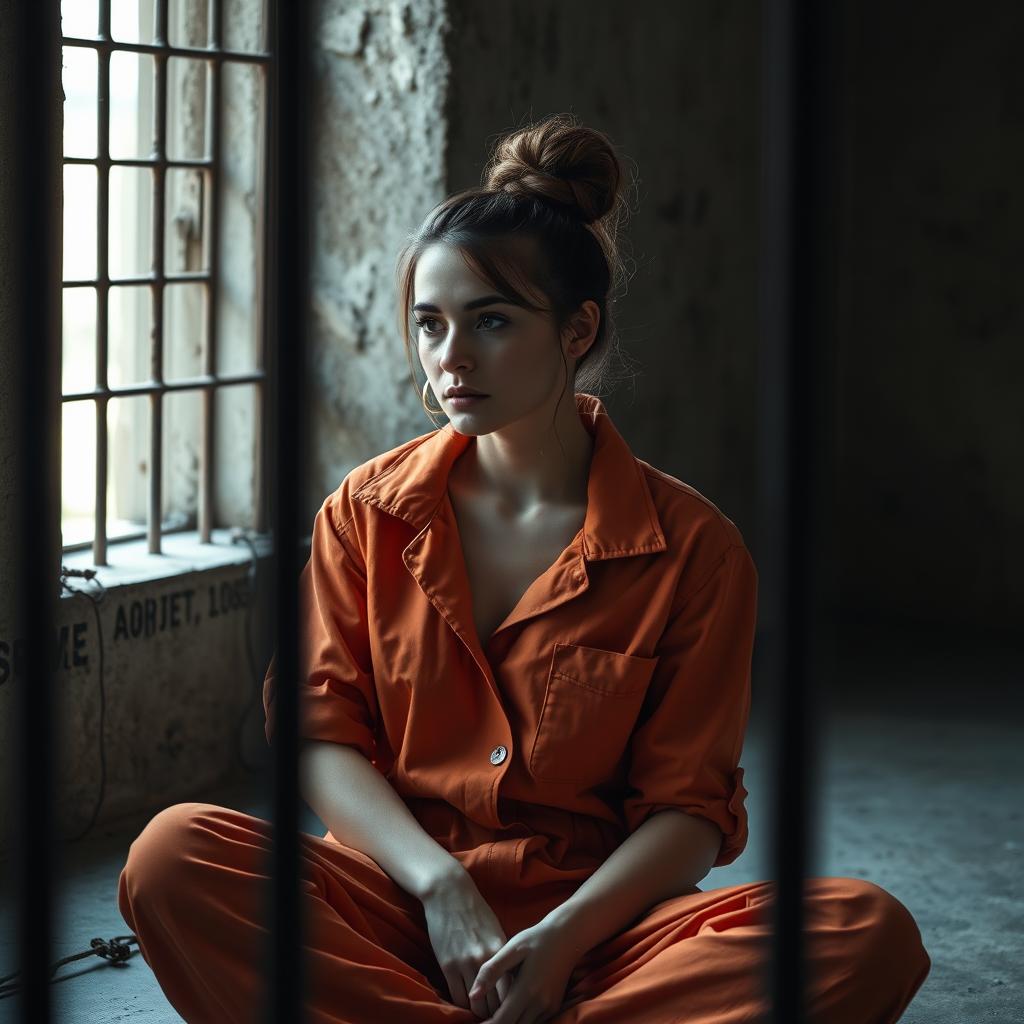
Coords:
pixel 591 702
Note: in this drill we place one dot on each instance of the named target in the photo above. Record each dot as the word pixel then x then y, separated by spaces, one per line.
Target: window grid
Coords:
pixel 209 382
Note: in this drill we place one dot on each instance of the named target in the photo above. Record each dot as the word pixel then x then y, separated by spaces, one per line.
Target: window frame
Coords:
pixel 209 383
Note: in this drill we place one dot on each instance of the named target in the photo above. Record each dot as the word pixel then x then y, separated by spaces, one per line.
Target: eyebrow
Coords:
pixel 487 300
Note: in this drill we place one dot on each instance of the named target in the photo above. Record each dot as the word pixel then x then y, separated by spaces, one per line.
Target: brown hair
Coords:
pixel 556 182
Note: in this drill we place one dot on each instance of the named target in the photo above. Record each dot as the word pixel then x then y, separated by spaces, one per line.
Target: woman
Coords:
pixel 525 686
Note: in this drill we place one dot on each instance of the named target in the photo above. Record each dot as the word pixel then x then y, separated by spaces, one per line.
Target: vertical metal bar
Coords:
pixel 289 121
pixel 34 167
pixel 214 154
pixel 156 399
pixel 99 543
pixel 797 83
pixel 265 275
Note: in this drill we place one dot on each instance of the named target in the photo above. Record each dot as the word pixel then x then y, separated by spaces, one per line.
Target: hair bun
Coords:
pixel 560 161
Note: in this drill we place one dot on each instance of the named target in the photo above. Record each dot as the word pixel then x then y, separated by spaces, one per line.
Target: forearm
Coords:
pixel 666 856
pixel 361 809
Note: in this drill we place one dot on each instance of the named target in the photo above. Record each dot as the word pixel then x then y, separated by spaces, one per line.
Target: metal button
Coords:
pixel 498 754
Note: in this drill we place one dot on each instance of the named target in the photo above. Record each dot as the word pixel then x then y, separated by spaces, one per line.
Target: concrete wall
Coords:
pixel 931 501
pixel 382 81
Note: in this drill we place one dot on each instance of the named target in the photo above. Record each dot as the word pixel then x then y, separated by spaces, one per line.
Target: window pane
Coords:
pixel 79 222
pixel 187 23
pixel 78 340
pixel 78 472
pixel 128 461
pixel 184 330
pixel 181 455
pixel 186 108
pixel 79 18
pixel 186 213
pixel 132 21
pixel 131 105
pixel 235 455
pixel 131 226
pixel 79 81
pixel 241 220
pixel 245 25
pixel 131 322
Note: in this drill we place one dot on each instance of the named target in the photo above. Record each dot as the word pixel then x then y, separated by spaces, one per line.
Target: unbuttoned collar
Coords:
pixel 620 520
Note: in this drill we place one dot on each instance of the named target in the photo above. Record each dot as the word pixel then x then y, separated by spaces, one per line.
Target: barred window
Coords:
pixel 166 153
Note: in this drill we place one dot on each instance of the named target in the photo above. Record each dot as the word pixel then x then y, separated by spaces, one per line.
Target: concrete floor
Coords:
pixel 920 792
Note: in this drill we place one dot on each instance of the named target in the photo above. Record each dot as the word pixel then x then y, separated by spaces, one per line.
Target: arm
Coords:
pixel 361 809
pixel 666 856
pixel 684 809
pixel 340 715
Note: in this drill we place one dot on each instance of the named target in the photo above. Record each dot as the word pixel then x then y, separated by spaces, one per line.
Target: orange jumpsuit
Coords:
pixel 619 685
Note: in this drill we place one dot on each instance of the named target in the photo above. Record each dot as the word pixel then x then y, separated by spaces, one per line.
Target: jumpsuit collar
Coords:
pixel 620 519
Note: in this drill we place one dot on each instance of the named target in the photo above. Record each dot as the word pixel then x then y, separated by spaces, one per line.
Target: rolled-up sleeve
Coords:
pixel 337 697
pixel 685 747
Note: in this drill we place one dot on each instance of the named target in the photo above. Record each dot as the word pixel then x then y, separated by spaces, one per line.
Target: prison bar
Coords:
pixel 215 145
pixel 35 332
pixel 289 106
pixel 798 81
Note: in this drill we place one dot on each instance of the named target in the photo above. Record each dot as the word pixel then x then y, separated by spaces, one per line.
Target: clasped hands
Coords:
pixel 539 985
pixel 521 980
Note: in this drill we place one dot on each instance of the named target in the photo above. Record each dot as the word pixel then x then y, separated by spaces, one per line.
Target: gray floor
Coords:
pixel 920 792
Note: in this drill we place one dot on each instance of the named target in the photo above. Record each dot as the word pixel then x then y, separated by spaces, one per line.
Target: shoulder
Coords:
pixel 700 536
pixel 340 505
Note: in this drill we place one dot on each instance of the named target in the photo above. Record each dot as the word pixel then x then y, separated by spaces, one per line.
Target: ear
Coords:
pixel 582 328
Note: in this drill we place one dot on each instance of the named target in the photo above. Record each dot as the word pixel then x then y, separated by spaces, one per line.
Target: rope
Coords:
pixel 117 951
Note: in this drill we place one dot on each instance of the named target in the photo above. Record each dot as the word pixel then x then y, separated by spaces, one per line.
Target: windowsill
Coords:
pixel 130 561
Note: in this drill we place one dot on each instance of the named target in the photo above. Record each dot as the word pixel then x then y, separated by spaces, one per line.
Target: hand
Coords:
pixel 464 932
pixel 545 961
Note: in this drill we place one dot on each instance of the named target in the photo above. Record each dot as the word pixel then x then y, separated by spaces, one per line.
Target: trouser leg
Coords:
pixel 702 959
pixel 194 890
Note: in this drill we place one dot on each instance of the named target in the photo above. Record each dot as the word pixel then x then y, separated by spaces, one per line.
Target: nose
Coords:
pixel 455 353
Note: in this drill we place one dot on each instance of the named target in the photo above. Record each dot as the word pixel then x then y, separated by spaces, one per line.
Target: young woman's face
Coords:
pixel 469 335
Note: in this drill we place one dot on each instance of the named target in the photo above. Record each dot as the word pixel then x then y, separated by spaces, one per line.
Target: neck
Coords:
pixel 532 462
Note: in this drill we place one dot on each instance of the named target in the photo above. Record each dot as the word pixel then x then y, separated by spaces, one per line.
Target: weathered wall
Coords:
pixel 381 85
pixel 676 88
pixel 930 508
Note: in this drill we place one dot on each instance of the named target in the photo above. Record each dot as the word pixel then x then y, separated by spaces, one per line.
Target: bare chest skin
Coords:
pixel 504 555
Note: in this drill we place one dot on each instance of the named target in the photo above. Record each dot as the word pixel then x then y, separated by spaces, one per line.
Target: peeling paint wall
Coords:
pixel 379 167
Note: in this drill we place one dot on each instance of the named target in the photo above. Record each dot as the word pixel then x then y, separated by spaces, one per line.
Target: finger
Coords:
pixel 493 1002
pixel 478 1002
pixel 517 1015
pixel 508 1013
pixel 457 988
pixel 491 970
pixel 503 986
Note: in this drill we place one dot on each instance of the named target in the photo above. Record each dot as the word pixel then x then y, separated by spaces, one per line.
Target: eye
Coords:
pixel 497 321
pixel 422 324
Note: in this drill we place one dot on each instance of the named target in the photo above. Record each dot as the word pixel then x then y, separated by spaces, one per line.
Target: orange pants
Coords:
pixel 194 881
